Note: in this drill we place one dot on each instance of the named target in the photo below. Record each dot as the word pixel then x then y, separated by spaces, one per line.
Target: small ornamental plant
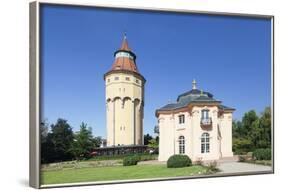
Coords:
pixel 178 161
pixel 212 167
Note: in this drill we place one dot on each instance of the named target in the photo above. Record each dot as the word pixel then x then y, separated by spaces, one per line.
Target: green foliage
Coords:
pixel 96 141
pixel 146 139
pixel 61 144
pixel 131 160
pixel 262 154
pixel 57 144
pixel 242 146
pixel 146 157
pixel 156 129
pixel 212 167
pixel 178 161
pixel 253 132
pixel 143 157
pixel 83 142
pixel 153 144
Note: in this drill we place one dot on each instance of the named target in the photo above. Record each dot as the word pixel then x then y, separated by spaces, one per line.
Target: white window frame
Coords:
pixel 205 143
pixel 181 144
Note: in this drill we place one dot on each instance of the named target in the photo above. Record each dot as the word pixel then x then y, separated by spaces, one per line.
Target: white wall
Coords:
pixel 171 130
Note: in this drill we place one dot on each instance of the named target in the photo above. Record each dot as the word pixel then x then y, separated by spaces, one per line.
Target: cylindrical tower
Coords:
pixel 124 87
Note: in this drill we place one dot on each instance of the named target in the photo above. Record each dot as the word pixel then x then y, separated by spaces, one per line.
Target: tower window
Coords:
pixel 137 81
pixel 181 119
pixel 127 78
pixel 116 78
pixel 108 80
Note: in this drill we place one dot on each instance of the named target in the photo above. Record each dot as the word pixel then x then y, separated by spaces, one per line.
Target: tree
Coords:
pixel 48 154
pixel 97 141
pixel 253 132
pixel 265 124
pixel 83 142
pixel 44 129
pixel 146 139
pixel 156 129
pixel 153 144
pixel 247 121
pixel 237 129
pixel 157 139
pixel 46 144
pixel 61 137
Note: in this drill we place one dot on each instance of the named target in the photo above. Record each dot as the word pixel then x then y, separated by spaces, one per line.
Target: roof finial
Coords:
pixel 194 84
pixel 125 34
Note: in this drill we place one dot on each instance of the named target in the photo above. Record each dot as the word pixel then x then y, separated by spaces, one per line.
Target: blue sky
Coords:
pixel 228 56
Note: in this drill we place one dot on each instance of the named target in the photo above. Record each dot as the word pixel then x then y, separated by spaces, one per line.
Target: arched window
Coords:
pixel 205 143
pixel 181 145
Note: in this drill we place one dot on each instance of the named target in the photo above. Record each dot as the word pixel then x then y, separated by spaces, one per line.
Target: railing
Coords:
pixel 206 121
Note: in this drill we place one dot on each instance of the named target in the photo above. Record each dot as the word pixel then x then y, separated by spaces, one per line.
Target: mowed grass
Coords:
pixel 117 173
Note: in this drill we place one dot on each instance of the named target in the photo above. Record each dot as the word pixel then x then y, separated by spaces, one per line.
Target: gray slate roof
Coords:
pixel 192 96
pixel 195 91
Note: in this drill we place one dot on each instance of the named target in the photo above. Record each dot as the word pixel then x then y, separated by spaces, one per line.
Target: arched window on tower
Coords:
pixel 181 145
pixel 205 143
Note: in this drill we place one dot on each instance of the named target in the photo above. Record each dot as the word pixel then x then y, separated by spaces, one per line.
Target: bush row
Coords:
pixel 262 154
pixel 144 156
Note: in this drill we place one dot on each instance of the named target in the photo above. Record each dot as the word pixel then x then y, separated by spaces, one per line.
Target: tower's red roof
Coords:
pixel 125 45
pixel 123 62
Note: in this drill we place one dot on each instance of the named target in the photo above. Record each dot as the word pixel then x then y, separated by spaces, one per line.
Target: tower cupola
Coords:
pixel 125 59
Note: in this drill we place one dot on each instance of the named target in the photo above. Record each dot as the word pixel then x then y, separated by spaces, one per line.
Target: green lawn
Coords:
pixel 116 173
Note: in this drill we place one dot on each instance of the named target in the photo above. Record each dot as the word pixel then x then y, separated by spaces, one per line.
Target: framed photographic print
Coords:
pixel 128 94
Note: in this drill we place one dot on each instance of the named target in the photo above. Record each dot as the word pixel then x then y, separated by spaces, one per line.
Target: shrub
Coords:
pixel 131 160
pixel 212 167
pixel 178 161
pixel 262 154
pixel 241 146
pixel 241 158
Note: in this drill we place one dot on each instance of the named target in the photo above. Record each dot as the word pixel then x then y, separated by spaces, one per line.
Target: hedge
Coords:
pixel 131 160
pixel 178 161
pixel 262 154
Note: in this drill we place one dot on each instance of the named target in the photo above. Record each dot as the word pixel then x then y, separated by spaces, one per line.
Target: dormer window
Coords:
pixel 116 78
pixel 181 119
pixel 127 78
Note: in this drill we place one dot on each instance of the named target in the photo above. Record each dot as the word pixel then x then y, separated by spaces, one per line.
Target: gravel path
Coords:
pixel 227 166
pixel 234 167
